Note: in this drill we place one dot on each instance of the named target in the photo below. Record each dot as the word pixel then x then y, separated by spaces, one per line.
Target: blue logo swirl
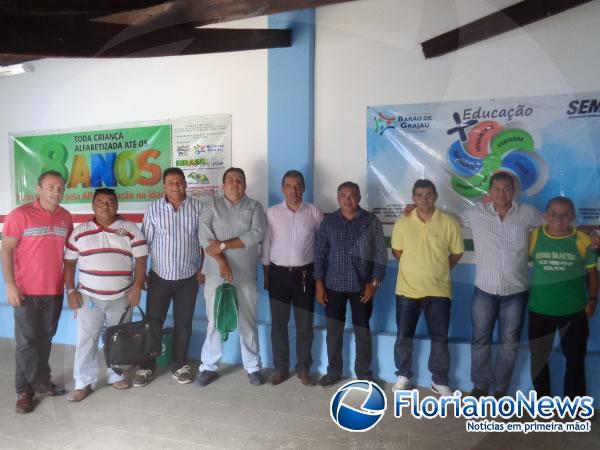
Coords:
pixel 358 406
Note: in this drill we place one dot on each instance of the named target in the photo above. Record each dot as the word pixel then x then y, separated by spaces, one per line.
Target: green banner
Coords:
pixel 130 160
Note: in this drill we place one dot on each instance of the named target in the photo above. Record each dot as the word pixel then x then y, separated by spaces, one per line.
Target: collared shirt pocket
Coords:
pixel 517 236
pixel 305 230
pixel 190 227
pixel 162 229
pixel 244 223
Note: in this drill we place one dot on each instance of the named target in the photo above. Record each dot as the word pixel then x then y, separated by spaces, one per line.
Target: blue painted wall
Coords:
pixel 291 102
pixel 384 334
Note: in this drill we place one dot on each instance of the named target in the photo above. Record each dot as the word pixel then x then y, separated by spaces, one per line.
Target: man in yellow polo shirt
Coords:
pixel 428 244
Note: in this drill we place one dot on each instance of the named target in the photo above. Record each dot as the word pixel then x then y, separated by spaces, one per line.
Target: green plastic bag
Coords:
pixel 226 310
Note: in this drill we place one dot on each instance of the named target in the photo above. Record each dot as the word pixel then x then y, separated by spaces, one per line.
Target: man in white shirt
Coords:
pixel 287 255
pixel 500 236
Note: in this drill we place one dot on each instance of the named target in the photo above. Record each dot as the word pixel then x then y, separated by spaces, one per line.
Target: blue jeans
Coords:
pixel 437 315
pixel 509 310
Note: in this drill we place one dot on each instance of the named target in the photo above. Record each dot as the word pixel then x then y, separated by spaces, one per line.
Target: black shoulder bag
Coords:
pixel 131 343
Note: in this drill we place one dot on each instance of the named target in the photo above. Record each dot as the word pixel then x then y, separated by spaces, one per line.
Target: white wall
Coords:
pixel 368 53
pixel 86 93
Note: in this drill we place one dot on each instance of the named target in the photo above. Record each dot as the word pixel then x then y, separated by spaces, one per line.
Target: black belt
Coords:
pixel 293 268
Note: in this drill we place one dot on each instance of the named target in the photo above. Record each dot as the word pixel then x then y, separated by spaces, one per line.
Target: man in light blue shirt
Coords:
pixel 171 230
pixel 231 227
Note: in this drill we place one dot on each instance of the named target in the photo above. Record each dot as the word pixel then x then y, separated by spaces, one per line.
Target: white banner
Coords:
pixel 202 149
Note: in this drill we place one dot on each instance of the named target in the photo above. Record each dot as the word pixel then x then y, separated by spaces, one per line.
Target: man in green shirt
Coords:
pixel 563 296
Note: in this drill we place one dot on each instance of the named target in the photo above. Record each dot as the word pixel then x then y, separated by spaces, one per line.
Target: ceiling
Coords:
pixel 35 29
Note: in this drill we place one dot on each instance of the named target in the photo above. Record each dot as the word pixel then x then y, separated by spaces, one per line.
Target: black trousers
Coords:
pixel 36 321
pixel 574 334
pixel 287 288
pixel 335 311
pixel 183 293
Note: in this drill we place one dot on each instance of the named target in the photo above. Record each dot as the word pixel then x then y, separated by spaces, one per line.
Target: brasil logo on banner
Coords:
pixel 550 144
pixel 129 160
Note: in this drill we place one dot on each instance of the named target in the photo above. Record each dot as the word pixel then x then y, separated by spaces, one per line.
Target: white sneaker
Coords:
pixel 402 383
pixel 441 389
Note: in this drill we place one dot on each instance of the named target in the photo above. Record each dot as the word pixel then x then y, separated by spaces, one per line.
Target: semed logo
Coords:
pixel 585 107
pixel 358 406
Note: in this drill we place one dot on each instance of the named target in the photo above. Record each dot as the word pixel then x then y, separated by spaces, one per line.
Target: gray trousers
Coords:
pixel 90 317
pixel 212 350
pixel 36 321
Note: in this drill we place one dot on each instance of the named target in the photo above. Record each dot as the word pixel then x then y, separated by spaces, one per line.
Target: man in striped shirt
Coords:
pixel 500 236
pixel 171 230
pixel 111 253
pixel 32 255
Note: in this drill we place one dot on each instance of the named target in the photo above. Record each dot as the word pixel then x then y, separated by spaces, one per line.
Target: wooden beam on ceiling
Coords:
pixel 507 19
pixel 204 12
pixel 83 8
pixel 197 13
pixel 33 29
pixel 63 38
pixel 141 16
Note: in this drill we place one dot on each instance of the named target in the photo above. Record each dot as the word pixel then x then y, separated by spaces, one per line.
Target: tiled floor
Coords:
pixel 230 413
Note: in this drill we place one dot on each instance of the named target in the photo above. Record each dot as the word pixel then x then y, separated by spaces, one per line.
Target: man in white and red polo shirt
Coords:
pixel 32 264
pixel 111 253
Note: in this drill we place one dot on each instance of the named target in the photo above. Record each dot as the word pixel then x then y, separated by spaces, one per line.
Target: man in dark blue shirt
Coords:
pixel 349 265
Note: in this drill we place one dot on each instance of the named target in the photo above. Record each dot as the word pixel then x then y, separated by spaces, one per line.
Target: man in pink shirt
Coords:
pixel 287 255
pixel 34 237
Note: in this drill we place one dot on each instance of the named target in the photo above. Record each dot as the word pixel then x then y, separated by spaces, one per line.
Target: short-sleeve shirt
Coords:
pixel 424 269
pixel 106 257
pixel 172 236
pixel 501 246
pixel 558 287
pixel 222 220
pixel 38 256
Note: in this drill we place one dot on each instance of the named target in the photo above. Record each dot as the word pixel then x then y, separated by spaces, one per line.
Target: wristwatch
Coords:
pixel 222 246
pixel 375 283
pixel 69 291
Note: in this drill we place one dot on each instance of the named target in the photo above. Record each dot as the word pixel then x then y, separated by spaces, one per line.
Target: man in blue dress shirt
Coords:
pixel 349 265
